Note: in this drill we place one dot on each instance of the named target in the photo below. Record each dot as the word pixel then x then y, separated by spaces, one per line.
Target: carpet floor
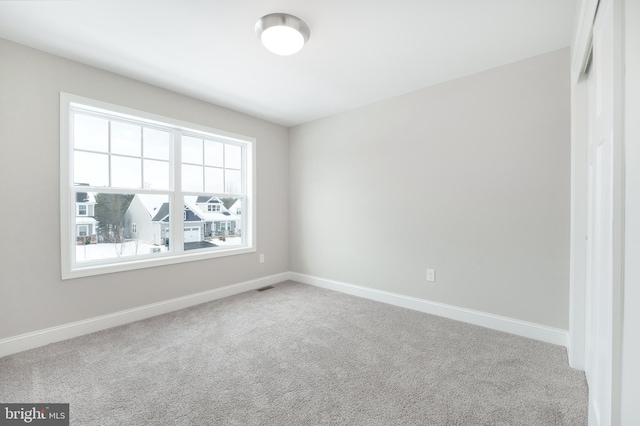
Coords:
pixel 300 355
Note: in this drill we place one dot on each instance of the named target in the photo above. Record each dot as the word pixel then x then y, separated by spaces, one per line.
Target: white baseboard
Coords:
pixel 495 322
pixel 38 338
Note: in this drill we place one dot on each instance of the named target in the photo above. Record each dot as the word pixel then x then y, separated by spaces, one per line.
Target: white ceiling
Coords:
pixel 360 51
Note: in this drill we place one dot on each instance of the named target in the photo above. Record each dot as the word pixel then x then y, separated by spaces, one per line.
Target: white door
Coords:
pixel 191 235
pixel 599 321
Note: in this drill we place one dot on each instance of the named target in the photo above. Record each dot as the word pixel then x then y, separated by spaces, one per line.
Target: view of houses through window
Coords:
pixel 138 224
pixel 123 188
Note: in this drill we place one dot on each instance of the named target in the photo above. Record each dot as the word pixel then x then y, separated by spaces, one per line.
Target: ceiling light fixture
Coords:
pixel 282 34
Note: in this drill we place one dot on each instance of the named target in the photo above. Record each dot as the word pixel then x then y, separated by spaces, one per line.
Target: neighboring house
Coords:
pixel 219 221
pixel 236 209
pixel 193 224
pixel 138 219
pixel 85 223
pixel 148 219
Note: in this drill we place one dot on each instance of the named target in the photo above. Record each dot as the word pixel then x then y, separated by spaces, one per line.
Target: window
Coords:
pixel 83 230
pixel 145 177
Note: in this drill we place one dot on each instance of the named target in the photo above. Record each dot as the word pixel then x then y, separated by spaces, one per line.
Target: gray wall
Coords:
pixel 470 178
pixel 32 295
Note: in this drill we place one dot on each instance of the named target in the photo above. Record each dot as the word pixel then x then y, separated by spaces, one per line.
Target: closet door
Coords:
pixel 599 330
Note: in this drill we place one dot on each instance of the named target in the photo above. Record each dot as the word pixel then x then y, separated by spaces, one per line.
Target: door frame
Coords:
pixel 579 190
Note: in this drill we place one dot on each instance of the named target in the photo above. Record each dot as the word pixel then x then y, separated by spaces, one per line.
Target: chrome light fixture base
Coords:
pixel 281 33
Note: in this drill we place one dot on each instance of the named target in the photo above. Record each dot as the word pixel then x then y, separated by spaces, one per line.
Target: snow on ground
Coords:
pixel 230 241
pixel 131 248
pixel 110 250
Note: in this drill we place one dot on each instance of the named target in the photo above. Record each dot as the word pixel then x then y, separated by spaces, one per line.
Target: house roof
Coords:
pixel 235 206
pixel 207 199
pixel 217 216
pixel 85 220
pixel 162 213
pixel 158 208
pixel 221 216
pixel 152 202
pixel 85 197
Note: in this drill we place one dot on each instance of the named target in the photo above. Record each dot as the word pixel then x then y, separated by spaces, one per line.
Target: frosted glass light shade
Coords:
pixel 281 33
pixel 282 40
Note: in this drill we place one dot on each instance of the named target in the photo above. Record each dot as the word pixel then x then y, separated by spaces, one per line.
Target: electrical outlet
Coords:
pixel 431 275
pixel 261 257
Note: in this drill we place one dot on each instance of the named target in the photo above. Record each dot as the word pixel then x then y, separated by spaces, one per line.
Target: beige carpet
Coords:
pixel 299 355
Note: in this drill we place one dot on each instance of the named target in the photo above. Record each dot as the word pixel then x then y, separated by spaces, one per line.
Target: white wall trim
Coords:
pixel 39 338
pixel 43 337
pixel 495 322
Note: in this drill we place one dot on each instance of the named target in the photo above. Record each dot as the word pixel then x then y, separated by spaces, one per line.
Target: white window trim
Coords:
pixel 67 216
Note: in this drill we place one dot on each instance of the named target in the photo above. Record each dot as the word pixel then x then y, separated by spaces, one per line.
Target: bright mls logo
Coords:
pixel 36 414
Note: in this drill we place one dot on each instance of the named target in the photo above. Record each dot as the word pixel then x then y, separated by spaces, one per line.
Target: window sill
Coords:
pixel 86 270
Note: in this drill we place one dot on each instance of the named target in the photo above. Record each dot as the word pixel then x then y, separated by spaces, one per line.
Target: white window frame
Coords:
pixel 213 207
pixel 73 269
pixel 86 210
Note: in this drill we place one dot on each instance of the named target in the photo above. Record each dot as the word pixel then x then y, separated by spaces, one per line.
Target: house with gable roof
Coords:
pixel 205 218
pixel 219 221
pixel 138 219
pixel 193 224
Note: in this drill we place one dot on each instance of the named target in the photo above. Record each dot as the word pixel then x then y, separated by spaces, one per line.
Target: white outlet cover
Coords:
pixel 431 275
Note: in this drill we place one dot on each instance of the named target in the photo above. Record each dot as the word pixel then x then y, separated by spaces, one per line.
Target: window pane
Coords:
pixel 125 139
pixel 109 150
pixel 156 144
pixel 91 169
pixel 191 178
pixel 109 234
pixel 213 180
pixel 233 181
pixel 156 174
pixel 126 172
pixel 90 133
pixel 213 152
pixel 232 156
pixel 209 223
pixel 191 150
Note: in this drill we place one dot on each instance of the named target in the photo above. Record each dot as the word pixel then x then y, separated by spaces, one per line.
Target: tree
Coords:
pixel 109 212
